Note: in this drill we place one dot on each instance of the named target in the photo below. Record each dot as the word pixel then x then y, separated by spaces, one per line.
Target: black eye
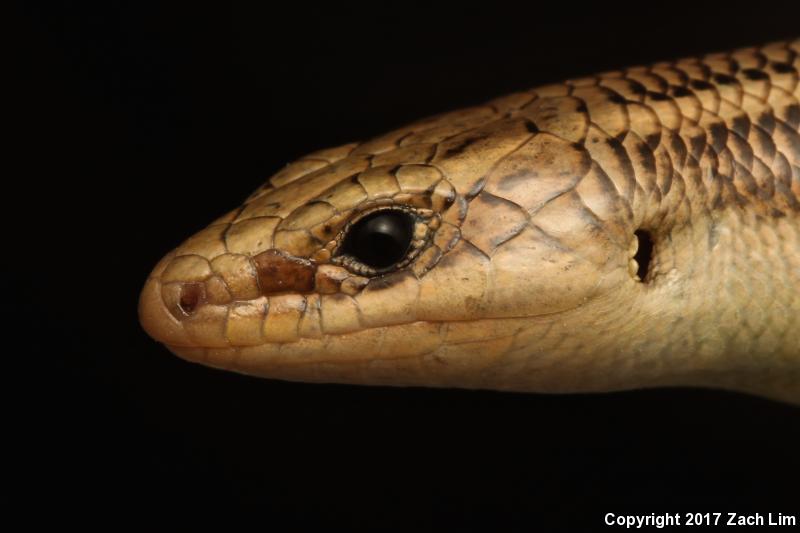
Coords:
pixel 380 239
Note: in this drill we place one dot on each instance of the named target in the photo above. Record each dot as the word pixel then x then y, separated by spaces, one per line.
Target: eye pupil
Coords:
pixel 381 239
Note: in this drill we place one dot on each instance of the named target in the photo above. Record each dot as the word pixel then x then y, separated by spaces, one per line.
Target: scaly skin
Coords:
pixel 524 278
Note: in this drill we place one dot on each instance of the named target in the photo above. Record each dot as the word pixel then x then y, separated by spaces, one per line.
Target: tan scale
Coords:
pixel 530 216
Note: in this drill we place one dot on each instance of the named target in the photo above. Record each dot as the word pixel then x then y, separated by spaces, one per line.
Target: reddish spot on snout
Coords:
pixel 280 272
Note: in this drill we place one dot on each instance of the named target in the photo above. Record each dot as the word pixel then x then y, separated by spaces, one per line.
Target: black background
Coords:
pixel 135 126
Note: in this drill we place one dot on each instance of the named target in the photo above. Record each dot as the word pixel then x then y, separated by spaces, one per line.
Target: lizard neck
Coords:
pixel 724 303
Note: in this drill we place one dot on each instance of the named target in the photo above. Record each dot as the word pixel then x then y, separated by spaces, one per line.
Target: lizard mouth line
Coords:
pixel 533 318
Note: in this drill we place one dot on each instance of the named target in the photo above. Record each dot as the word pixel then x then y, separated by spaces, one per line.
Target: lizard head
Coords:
pixel 463 250
pixel 497 246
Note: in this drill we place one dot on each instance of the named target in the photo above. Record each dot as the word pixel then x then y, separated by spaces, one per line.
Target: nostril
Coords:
pixel 191 296
pixel 160 314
